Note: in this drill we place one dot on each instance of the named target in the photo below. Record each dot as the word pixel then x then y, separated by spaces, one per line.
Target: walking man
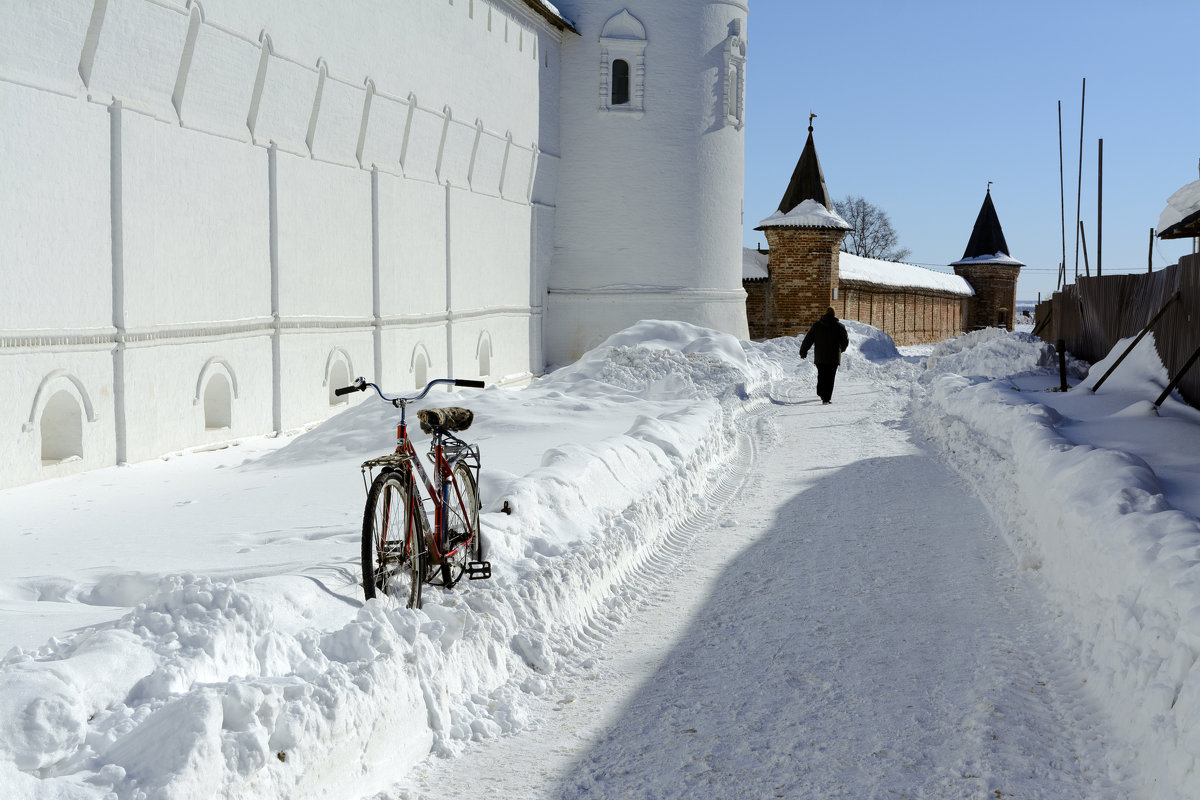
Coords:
pixel 827 338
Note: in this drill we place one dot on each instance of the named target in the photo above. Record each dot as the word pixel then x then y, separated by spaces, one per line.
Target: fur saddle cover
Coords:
pixel 452 418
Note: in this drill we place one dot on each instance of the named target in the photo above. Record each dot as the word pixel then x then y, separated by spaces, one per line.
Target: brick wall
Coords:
pixel 909 317
pixel 804 270
pixel 756 307
pixel 995 300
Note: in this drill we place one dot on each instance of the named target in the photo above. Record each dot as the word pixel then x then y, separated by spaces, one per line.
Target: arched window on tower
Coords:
pixel 620 82
pixel 623 64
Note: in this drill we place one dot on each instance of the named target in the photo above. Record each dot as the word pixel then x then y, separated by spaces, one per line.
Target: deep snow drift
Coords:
pixel 207 636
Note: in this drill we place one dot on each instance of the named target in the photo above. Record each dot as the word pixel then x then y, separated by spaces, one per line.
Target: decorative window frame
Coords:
pixel 623 38
pixel 734 79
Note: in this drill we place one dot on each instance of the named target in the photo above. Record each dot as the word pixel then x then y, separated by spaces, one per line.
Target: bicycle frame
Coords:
pixel 446 452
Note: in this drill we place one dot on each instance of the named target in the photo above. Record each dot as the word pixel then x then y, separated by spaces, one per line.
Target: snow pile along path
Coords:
pixel 1115 553
pixel 291 686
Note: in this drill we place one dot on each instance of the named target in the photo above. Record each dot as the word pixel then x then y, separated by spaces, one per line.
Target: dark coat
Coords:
pixel 827 338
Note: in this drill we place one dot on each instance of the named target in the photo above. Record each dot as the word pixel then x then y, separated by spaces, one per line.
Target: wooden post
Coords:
pixel 1083 238
pixel 1133 344
pixel 1150 254
pixel 1062 366
pixel 1162 398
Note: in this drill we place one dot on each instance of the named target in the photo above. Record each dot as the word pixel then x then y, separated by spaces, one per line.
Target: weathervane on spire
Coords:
pixel 811 117
pixel 989 191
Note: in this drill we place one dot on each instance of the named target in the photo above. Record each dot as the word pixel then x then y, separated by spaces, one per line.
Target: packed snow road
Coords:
pixel 849 624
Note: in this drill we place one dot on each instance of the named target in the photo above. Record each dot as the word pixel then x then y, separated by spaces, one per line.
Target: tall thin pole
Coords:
pixel 1099 207
pixel 1150 253
pixel 1079 188
pixel 1062 204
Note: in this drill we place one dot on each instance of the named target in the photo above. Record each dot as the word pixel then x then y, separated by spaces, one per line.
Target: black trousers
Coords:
pixel 825 375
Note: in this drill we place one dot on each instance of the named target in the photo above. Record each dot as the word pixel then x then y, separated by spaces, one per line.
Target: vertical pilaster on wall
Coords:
pixel 91 42
pixel 449 290
pixel 185 62
pixel 376 285
pixel 276 328
pixel 116 222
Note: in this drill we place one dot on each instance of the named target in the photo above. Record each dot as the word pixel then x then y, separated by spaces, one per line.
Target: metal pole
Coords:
pixel 1162 398
pixel 1079 186
pixel 1150 254
pixel 1062 366
pixel 1062 205
pixel 1133 344
pixel 1099 208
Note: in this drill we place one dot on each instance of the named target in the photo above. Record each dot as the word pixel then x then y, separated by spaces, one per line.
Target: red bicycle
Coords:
pixel 400 550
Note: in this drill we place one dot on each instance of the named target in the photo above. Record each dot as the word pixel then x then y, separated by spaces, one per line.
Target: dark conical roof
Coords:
pixel 808 182
pixel 988 238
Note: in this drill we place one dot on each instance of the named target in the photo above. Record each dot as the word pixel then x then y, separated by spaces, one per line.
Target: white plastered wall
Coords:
pixel 252 188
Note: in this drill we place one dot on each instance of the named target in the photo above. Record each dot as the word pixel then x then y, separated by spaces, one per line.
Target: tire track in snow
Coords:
pixel 886 658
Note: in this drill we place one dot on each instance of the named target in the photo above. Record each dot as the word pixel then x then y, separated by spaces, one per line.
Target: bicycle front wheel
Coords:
pixel 462 525
pixel 393 544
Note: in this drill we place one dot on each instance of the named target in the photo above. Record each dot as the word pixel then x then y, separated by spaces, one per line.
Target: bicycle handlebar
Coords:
pixel 361 385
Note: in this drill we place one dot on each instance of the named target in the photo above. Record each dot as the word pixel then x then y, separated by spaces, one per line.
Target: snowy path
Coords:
pixel 851 626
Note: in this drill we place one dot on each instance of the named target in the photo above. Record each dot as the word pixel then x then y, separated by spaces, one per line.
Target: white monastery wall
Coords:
pixel 58 225
pixel 211 210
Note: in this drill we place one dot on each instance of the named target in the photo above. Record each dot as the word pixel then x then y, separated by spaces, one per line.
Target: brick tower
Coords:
pixel 804 237
pixel 991 271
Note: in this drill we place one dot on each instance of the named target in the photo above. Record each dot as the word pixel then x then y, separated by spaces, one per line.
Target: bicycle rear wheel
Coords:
pixel 393 544
pixel 462 521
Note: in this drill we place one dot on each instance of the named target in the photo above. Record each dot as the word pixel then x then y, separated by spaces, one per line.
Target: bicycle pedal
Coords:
pixel 479 570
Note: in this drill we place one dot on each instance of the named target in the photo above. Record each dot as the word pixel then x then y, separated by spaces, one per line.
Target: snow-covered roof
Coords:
pixel 754 265
pixel 551 13
pixel 1003 259
pixel 892 273
pixel 809 214
pixel 1181 218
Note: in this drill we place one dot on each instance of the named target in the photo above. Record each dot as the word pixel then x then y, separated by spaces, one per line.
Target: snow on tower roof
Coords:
pixel 1181 218
pixel 896 274
pixel 809 214
pixel 987 245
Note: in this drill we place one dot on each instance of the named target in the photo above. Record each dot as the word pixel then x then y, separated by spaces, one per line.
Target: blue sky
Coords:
pixel 920 104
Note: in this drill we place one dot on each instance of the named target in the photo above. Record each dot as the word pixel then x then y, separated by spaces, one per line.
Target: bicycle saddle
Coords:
pixel 451 418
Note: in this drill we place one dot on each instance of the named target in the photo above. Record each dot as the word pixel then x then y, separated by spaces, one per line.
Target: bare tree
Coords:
pixel 873 235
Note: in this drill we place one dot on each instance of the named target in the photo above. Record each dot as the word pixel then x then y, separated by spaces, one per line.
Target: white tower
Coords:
pixel 649 201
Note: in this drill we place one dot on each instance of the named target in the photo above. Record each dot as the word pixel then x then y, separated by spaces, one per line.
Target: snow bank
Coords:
pixel 286 687
pixel 1118 558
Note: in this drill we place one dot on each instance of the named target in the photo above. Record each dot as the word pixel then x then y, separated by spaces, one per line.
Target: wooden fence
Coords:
pixel 1091 315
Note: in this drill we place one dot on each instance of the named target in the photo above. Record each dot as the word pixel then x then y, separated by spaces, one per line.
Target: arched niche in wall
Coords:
pixel 483 353
pixel 60 407
pixel 418 366
pixel 338 369
pixel 623 64
pixel 216 388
